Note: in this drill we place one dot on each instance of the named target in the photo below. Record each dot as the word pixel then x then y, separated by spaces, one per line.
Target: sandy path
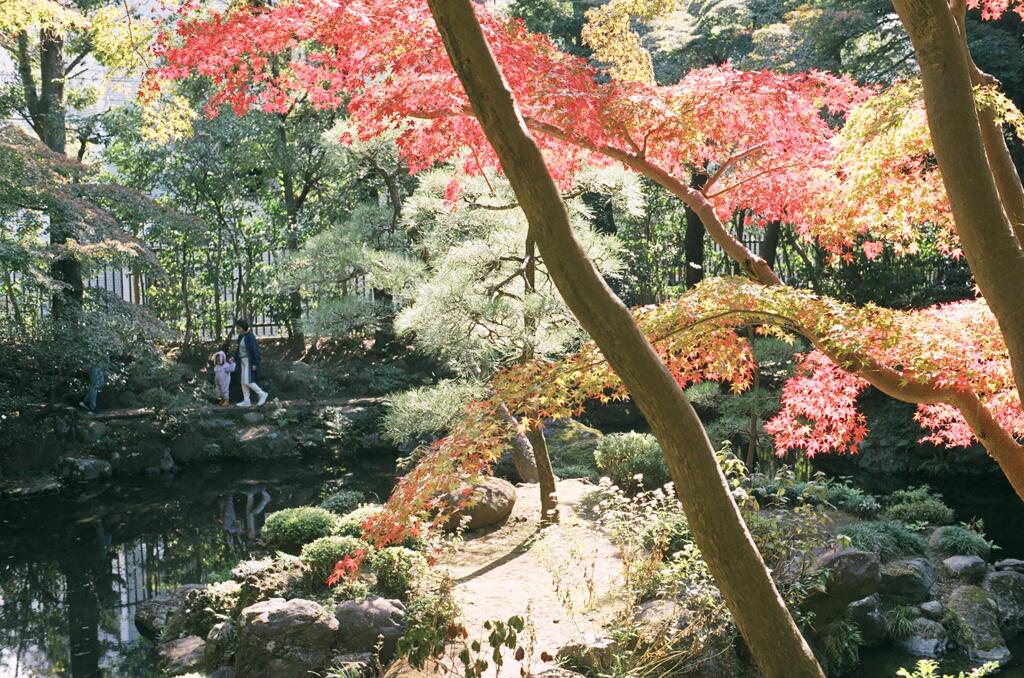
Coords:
pixel 566 581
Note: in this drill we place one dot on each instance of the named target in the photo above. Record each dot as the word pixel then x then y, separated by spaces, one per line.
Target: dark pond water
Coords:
pixel 73 569
pixel 886 662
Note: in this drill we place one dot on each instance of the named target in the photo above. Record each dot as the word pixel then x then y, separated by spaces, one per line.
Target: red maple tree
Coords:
pixel 769 145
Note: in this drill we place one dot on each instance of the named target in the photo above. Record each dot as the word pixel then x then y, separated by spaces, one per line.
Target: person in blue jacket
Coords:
pixel 247 356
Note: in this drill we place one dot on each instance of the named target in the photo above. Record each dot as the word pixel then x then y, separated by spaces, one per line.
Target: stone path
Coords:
pixel 566 581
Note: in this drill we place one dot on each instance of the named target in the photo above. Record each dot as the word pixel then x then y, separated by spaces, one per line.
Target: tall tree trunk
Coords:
pixel 535 431
pixel 522 449
pixel 548 491
pixel 1004 171
pixel 12 301
pixel 186 296
pixel 988 240
pixel 730 553
pixel 52 128
pixel 291 208
pixel 770 243
pixel 693 241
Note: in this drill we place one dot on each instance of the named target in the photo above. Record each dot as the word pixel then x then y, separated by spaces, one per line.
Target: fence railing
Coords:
pixel 135 287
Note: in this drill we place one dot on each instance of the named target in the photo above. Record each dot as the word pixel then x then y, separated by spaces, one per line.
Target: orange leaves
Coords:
pixel 819 412
pixel 347 568
pixel 993 9
pixel 945 349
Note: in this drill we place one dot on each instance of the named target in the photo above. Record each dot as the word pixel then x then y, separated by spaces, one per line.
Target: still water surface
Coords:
pixel 73 569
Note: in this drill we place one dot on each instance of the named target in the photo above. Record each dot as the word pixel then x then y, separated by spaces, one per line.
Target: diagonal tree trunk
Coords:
pixel 733 559
pixel 988 240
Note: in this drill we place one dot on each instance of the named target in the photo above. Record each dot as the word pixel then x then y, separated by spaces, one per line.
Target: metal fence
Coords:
pixel 136 287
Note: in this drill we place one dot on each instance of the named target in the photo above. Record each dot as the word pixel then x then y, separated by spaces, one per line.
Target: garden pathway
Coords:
pixel 566 581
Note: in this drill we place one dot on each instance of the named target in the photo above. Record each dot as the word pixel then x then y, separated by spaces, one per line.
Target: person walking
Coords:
pixel 247 355
pixel 222 369
pixel 97 380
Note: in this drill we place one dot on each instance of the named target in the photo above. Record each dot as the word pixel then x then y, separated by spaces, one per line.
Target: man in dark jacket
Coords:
pixel 247 355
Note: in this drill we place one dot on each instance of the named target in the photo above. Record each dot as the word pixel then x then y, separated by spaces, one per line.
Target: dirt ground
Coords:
pixel 565 581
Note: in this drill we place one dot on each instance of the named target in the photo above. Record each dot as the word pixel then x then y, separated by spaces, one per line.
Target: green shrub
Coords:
pixel 428 411
pixel 669 533
pixel 888 538
pixel 962 541
pixel 430 621
pixel 289 530
pixel 839 650
pixel 918 505
pixel 926 668
pixel 343 501
pixel 623 456
pixel 398 571
pixel 576 471
pixel 320 556
pixel 351 524
pixel 852 500
pixel 899 621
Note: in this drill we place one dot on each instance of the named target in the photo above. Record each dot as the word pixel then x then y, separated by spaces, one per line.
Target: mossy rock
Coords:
pixel 976 617
pixel 202 609
pixel 259 580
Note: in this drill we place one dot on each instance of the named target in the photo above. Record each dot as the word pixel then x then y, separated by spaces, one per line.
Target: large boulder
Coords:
pixel 362 623
pixel 214 426
pixel 150 460
pixel 977 619
pixel 194 447
pixel 83 469
pixel 932 609
pixel 1007 591
pixel 281 638
pixel 851 575
pixel 662 614
pixel 267 578
pixel 181 656
pixel 1012 564
pixel 221 644
pixel 265 442
pixel 151 616
pixel 488 503
pixel 909 580
pixel 94 431
pixel 928 639
pixel 970 569
pixel 867 615
pixel 596 654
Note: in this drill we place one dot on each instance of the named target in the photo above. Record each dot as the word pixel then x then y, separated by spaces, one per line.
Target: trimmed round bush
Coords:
pixel 623 456
pixel 398 571
pixel 290 529
pixel 343 501
pixel 918 505
pixel 852 500
pixel 320 556
pixel 351 524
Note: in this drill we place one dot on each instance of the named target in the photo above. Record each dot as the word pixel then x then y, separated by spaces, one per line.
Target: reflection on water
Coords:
pixel 885 662
pixel 73 570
